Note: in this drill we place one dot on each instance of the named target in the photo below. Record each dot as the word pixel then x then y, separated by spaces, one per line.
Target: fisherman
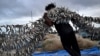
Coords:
pixel 56 16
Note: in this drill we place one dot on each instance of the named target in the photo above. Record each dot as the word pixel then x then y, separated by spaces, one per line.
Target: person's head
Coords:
pixel 50 6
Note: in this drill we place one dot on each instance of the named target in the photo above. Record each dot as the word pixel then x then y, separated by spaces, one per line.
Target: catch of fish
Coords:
pixel 22 40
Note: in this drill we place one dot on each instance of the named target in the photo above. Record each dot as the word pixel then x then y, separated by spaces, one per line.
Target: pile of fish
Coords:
pixel 22 40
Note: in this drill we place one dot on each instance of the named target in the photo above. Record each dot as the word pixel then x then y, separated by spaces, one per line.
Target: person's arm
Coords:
pixel 47 20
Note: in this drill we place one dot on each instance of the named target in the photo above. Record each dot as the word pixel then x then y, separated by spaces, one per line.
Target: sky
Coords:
pixel 23 11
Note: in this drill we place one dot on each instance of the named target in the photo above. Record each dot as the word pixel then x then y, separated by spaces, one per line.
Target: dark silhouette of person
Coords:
pixel 55 16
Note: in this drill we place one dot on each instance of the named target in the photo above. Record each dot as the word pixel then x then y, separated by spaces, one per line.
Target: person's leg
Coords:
pixel 74 43
pixel 66 42
pixel 64 30
pixel 66 45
